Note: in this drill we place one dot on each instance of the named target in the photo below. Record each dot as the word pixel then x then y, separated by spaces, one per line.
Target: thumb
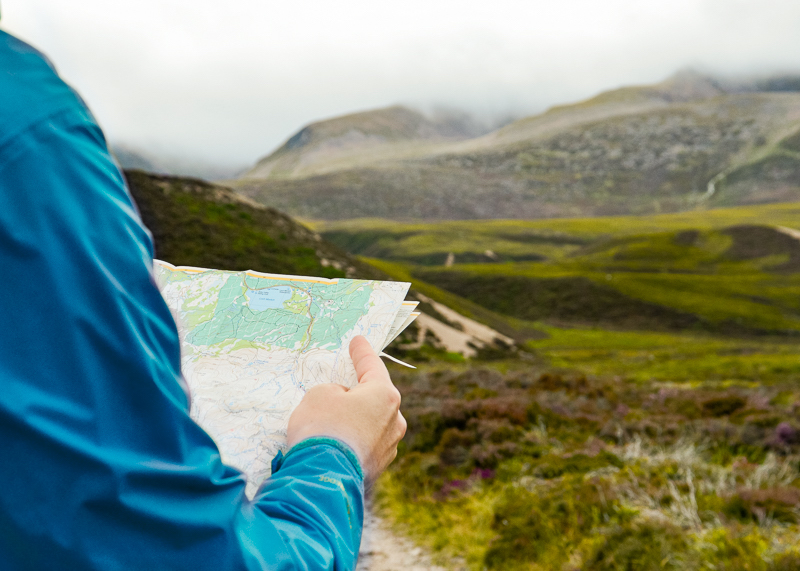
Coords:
pixel 366 361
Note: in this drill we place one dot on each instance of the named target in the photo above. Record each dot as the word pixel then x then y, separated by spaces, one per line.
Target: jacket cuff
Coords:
pixel 280 458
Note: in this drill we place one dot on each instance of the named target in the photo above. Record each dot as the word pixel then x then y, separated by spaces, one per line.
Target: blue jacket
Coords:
pixel 100 465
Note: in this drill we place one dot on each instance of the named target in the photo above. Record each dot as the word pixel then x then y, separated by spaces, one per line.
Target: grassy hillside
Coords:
pixel 608 449
pixel 638 150
pixel 510 239
pixel 664 446
pixel 730 271
pixel 195 223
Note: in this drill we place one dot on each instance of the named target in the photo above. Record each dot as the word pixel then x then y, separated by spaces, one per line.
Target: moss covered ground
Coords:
pixel 605 450
pixel 728 271
pixel 551 238
pixel 196 223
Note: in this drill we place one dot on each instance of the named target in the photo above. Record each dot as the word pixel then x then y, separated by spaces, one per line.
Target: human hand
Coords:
pixel 367 417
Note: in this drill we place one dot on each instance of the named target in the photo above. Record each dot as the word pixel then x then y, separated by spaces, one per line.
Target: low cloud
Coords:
pixel 228 83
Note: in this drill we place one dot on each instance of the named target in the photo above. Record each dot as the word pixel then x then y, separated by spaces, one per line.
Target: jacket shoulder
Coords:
pixel 30 88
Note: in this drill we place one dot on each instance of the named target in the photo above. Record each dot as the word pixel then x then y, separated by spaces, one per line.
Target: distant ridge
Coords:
pixel 345 139
pixel 690 141
pixel 684 86
pixel 133 158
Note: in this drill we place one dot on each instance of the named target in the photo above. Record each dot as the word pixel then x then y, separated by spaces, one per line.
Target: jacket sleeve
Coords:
pixel 102 466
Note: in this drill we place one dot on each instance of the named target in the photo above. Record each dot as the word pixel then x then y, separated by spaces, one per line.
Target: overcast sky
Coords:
pixel 227 82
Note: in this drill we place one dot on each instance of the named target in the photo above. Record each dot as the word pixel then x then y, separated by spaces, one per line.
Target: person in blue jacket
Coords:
pixel 100 465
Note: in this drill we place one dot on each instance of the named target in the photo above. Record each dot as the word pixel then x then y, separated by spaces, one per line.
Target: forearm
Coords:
pixel 315 502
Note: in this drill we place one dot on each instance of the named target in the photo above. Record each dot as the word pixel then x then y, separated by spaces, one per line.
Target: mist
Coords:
pixel 224 84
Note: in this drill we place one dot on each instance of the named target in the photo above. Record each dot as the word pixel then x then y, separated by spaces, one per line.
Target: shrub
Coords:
pixel 555 466
pixel 723 406
pixel 642 547
pixel 543 527
pixel 786 434
pixel 425 430
pixel 786 562
pixel 453 448
pixel 778 504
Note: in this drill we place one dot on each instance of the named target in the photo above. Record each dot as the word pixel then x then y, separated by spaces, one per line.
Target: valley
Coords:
pixel 649 417
pixel 730 271
pixel 594 392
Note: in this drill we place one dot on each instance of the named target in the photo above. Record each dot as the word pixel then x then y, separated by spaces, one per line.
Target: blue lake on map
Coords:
pixel 269 298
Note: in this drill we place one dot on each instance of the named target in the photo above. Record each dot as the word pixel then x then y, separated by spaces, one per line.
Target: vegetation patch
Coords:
pixel 780 504
pixel 575 299
pixel 376 243
pixel 520 466
pixel 729 271
pixel 792 143
pixel 723 406
pixel 777 167
pixel 195 223
pixel 752 242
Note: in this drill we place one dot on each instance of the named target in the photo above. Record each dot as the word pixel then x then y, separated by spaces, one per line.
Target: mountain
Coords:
pixel 129 157
pixel 686 142
pixel 777 83
pixel 361 139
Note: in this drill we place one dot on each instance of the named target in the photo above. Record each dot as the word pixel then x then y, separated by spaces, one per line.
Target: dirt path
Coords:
pixel 382 550
pixel 789 232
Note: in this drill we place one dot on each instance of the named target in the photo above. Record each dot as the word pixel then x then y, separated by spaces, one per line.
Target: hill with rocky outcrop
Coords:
pixel 687 142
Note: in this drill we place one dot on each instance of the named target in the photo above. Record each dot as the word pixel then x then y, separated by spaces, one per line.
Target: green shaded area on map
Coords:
pixel 317 315
pixel 336 309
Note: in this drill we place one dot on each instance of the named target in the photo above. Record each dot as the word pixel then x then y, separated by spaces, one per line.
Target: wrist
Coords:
pixel 325 441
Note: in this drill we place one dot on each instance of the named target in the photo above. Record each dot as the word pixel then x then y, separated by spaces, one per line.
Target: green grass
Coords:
pixel 654 425
pixel 195 224
pixel 670 358
pixel 520 236
pixel 758 299
pixel 740 280
pixel 613 450
pixel 736 297
pixel 518 329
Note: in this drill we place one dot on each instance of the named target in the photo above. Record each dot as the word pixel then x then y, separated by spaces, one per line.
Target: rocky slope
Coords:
pixel 673 146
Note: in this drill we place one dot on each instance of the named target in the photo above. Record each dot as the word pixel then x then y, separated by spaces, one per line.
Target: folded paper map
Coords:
pixel 252 344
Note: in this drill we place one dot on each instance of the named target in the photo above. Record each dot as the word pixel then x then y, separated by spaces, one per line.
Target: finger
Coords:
pixel 366 361
pixel 402 425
